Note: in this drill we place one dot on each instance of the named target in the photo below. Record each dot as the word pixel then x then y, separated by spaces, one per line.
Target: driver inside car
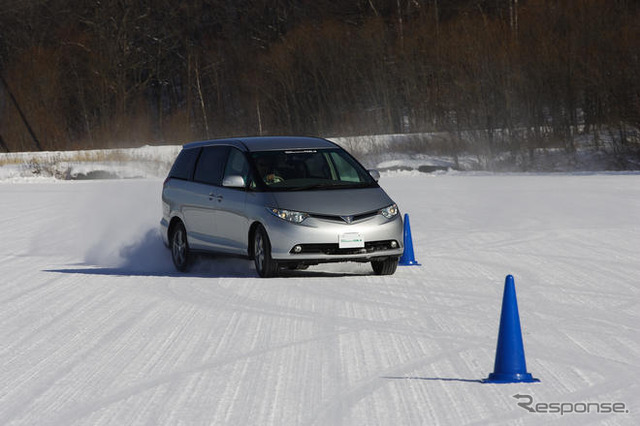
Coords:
pixel 267 173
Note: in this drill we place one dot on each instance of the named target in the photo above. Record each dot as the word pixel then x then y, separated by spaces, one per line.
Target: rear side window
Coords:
pixel 210 167
pixel 184 164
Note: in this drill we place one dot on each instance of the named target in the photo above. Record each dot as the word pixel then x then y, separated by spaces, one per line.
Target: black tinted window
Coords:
pixel 210 167
pixel 184 164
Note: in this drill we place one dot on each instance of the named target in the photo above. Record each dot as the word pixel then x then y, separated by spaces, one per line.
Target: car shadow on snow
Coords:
pixel 160 267
pixel 205 267
pixel 148 257
pixel 285 273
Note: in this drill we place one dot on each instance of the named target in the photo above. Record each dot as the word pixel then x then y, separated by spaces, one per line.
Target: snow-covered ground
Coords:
pixel 97 328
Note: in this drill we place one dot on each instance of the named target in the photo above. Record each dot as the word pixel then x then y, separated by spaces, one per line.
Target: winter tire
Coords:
pixel 265 266
pixel 385 267
pixel 179 247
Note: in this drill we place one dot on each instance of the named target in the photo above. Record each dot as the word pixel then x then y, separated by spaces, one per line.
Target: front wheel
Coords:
pixel 265 265
pixel 385 267
pixel 179 247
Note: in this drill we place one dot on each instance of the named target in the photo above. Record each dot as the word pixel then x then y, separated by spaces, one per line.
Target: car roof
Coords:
pixel 267 143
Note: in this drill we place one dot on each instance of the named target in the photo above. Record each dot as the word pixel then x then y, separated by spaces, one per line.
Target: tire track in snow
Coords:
pixel 40 378
pixel 80 411
pixel 337 409
pixel 242 306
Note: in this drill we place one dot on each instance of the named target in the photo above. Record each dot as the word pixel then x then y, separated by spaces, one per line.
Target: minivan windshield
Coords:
pixel 307 169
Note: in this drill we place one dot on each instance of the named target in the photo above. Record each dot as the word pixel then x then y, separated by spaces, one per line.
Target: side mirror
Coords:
pixel 233 181
pixel 375 175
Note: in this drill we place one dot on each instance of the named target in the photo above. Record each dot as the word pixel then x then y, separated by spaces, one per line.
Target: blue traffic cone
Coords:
pixel 407 258
pixel 510 366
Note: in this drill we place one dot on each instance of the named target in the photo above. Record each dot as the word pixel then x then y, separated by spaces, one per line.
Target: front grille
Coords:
pixel 343 219
pixel 334 249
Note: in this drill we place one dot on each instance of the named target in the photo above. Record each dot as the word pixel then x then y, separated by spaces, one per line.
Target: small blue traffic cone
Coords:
pixel 407 258
pixel 510 365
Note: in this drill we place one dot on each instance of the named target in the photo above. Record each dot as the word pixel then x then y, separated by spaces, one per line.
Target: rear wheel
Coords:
pixel 385 267
pixel 179 247
pixel 265 265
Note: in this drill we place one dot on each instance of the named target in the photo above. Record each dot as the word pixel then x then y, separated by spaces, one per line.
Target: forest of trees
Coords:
pixel 521 74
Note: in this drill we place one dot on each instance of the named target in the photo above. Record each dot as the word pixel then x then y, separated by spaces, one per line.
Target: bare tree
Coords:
pixel 518 75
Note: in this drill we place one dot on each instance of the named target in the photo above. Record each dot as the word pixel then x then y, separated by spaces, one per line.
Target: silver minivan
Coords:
pixel 286 202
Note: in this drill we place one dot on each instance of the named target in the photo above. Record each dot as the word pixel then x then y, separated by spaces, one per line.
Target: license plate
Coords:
pixel 351 240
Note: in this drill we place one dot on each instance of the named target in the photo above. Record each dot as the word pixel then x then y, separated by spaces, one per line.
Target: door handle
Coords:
pixel 217 197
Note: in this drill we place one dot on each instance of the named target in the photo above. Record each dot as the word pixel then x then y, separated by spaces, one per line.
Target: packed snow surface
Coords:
pixel 96 328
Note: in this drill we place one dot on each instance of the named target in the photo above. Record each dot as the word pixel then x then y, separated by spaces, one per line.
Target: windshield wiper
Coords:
pixel 331 186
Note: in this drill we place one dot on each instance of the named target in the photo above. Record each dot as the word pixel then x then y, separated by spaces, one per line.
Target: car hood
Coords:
pixel 335 202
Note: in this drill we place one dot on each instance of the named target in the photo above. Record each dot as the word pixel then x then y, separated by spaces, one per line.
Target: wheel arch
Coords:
pixel 172 224
pixel 251 236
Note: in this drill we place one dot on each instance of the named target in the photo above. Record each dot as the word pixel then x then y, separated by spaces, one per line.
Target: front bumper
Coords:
pixel 318 239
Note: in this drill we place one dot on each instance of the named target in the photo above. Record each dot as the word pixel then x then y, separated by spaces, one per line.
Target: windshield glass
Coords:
pixel 294 170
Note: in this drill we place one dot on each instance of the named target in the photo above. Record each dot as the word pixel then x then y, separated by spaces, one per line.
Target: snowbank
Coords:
pixel 387 153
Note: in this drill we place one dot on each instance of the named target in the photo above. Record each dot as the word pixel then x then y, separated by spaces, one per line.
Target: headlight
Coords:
pixel 289 215
pixel 390 212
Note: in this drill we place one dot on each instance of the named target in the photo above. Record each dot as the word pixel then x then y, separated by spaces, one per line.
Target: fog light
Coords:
pixel 394 244
pixel 297 249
